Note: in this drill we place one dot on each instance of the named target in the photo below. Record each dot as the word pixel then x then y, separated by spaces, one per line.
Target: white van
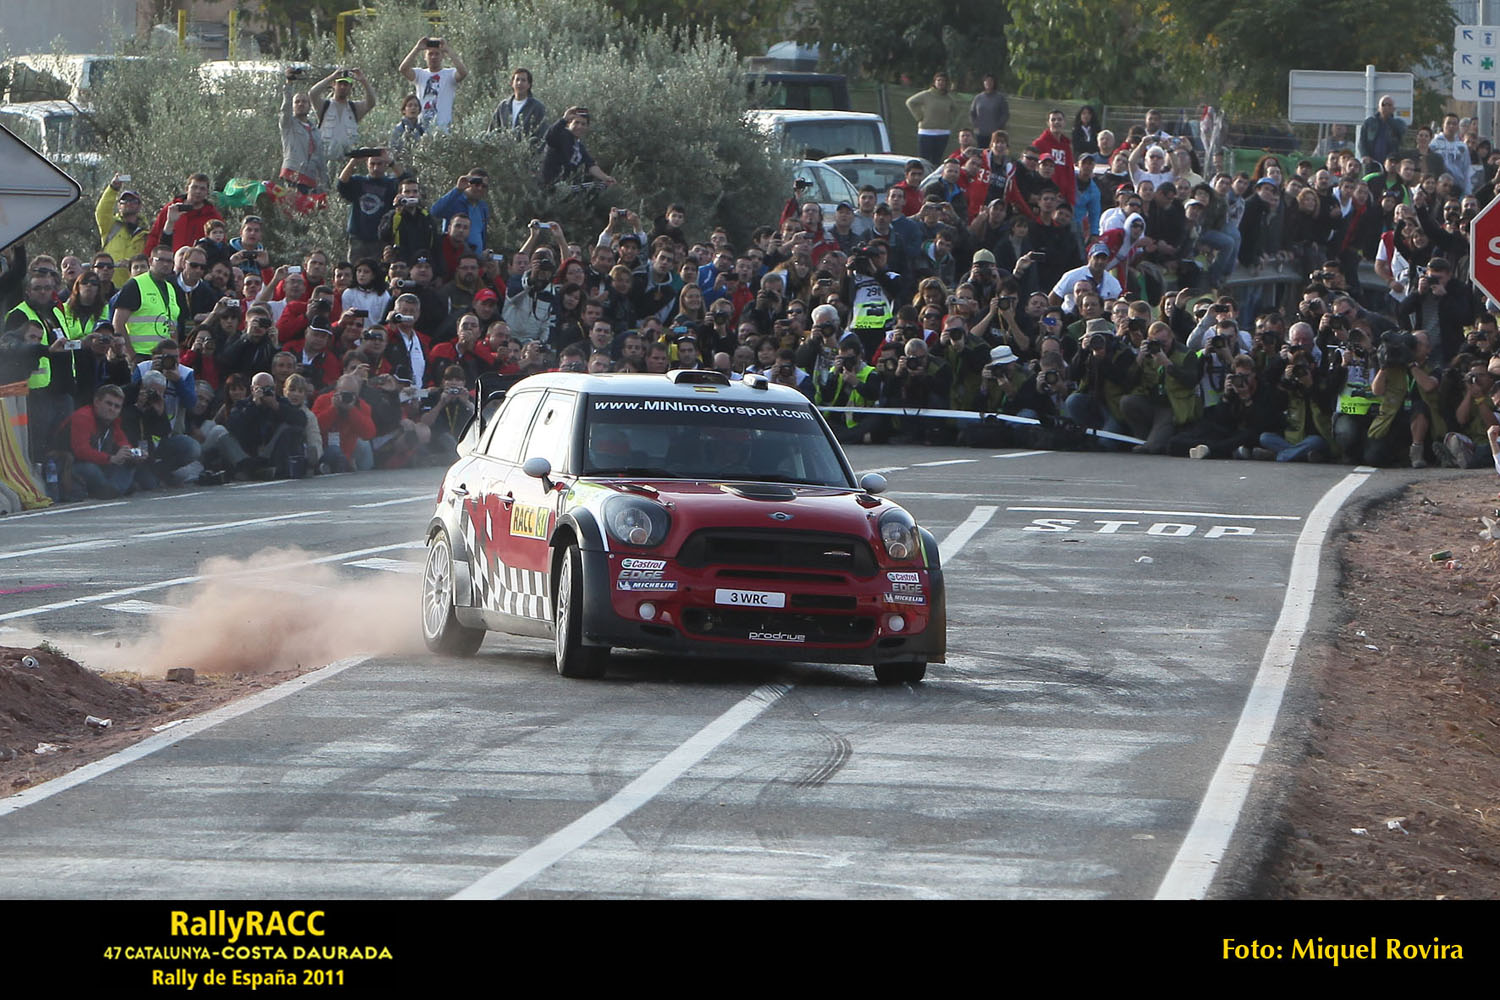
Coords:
pixel 59 78
pixel 812 135
pixel 63 134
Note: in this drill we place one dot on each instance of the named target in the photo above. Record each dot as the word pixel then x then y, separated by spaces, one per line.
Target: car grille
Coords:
pixel 778 550
pixel 735 623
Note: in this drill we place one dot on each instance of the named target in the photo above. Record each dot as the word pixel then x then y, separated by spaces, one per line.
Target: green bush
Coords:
pixel 666 112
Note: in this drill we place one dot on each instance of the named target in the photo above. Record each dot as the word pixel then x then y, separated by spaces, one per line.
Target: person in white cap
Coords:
pixel 1096 271
pixel 1150 163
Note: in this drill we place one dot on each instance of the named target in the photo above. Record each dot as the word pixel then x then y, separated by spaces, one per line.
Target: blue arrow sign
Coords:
pixel 1466 85
pixel 1468 35
pixel 1466 59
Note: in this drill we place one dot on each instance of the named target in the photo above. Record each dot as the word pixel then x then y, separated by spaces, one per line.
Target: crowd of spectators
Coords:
pixel 1082 281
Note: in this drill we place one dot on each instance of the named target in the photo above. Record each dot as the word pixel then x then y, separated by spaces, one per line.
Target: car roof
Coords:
pixel 794 115
pixel 657 387
pixel 41 109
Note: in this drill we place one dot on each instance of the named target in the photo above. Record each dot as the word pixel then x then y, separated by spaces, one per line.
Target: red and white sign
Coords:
pixel 1484 250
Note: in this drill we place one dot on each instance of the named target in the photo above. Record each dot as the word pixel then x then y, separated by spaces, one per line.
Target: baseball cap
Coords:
pixel 128 194
pixel 1099 248
pixel 984 257
pixel 1266 180
pixel 843 206
pixel 486 295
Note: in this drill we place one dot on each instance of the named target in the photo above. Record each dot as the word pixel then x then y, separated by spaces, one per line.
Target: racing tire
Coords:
pixel 900 673
pixel 574 659
pixel 440 627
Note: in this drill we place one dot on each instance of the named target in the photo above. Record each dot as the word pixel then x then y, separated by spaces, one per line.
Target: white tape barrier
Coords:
pixel 971 415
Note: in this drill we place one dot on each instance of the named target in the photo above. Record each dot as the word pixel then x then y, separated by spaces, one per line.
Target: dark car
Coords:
pixel 685 513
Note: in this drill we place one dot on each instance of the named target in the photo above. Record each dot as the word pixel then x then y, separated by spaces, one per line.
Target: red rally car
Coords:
pixel 685 513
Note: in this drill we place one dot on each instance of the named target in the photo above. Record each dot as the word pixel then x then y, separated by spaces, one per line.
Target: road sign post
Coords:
pixel 1484 250
pixel 32 189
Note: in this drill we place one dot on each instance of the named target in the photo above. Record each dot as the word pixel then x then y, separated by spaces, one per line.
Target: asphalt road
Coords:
pixel 1107 616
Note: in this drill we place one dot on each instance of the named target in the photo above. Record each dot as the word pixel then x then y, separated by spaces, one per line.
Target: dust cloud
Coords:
pixel 273 610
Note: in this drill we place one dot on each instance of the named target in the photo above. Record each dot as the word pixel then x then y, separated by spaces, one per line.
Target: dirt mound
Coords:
pixel 46 707
pixel 1399 795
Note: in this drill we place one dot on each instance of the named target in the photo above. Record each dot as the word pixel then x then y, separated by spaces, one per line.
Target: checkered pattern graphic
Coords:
pixel 499 587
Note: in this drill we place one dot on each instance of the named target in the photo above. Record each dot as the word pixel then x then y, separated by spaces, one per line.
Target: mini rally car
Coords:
pixel 685 513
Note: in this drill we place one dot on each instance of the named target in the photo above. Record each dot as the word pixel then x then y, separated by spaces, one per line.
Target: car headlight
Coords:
pixel 898 534
pixel 636 522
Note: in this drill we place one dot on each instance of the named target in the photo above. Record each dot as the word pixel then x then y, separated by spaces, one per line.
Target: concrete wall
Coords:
pixel 86 26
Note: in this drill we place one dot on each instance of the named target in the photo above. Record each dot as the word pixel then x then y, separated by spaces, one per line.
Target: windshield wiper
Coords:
pixel 636 471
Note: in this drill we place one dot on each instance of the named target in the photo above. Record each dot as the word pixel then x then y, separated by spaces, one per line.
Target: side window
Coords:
pixel 505 439
pixel 553 430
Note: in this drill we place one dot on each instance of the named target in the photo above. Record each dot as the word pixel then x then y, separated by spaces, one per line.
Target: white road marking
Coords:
pixel 228 524
pixel 532 862
pixel 959 536
pixel 176 496
pixel 391 503
pixel 134 607
pixel 388 565
pixel 951 461
pixel 65 509
pixel 189 727
pixel 1162 513
pixel 883 471
pixel 110 595
pixel 1192 870
pixel 1023 454
pixel 251 486
pixel 535 860
pixel 111 543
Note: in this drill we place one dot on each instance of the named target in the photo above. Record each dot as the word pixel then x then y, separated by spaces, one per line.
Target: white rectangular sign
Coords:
pixel 1335 97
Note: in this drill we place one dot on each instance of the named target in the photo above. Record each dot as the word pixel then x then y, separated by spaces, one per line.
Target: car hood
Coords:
pixel 704 503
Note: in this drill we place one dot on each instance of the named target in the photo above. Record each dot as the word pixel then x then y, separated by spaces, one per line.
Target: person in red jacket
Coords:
pixel 104 463
pixel 911 188
pixel 183 220
pixel 345 421
pixel 1056 143
pixel 318 364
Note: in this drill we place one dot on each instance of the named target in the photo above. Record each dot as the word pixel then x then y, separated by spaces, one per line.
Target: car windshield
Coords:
pixel 705 438
pixel 816 139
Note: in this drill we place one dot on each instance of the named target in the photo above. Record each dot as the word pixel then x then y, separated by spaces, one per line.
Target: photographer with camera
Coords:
pixel 407 226
pixel 566 158
pixel 921 381
pixel 1165 398
pixel 180 391
pixel 966 357
pixel 252 350
pixel 446 410
pixel 1308 400
pixel 170 456
pixel 105 464
pixel 435 84
pixel 1247 409
pixel 304 158
pixel 1441 306
pixel 848 382
pixel 368 194
pixel 1352 372
pixel 1469 445
pixel 338 116
pixel 345 421
pixel 268 428
pixel 1103 370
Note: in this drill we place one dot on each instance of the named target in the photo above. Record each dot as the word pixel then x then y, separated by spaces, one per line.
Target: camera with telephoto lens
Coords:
pixel 1398 349
pixel 150 396
pixel 1216 342
pixel 346 398
pixel 1292 377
